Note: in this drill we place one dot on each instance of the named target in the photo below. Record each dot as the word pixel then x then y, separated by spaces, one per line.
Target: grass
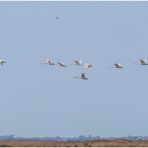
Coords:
pixel 97 143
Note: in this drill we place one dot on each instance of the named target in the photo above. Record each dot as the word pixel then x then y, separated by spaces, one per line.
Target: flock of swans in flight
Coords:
pixel 79 63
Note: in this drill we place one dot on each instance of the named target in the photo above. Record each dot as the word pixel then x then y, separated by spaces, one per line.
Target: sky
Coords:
pixel 42 100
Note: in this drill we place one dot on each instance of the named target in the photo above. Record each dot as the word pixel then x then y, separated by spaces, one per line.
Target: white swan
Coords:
pixel 49 62
pixel 61 64
pixel 87 65
pixel 117 65
pixel 76 62
pixel 143 62
pixel 83 77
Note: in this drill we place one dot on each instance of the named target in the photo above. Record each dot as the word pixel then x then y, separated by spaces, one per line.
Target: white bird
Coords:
pixel 61 64
pixel 49 62
pixel 117 65
pixel 2 62
pixel 83 77
pixel 87 65
pixel 143 62
pixel 78 63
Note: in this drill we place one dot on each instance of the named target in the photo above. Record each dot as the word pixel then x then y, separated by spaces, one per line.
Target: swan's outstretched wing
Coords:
pixel 61 64
pixel 145 60
pixel 118 65
pixel 142 61
pixel 87 65
pixel 78 62
pixel 2 61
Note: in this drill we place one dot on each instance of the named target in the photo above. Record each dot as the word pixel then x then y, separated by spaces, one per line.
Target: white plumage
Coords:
pixel 49 62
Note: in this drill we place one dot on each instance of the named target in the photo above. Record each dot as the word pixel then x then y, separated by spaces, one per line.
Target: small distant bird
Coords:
pixel 61 64
pixel 144 61
pixel 78 63
pixel 2 62
pixel 49 62
pixel 83 77
pixel 87 65
pixel 117 65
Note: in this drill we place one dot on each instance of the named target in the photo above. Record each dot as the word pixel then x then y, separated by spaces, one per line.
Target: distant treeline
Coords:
pixel 79 138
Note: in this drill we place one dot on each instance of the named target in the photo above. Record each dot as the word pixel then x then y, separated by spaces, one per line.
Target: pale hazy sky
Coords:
pixel 41 100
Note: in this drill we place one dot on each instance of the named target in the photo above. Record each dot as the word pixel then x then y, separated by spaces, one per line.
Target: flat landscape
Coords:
pixel 98 143
pixel 73 73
